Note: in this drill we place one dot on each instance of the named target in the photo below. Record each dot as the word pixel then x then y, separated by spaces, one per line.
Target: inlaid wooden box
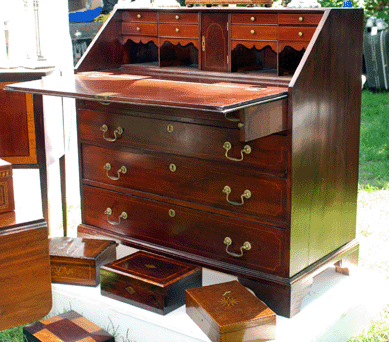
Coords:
pixel 7 202
pixel 77 261
pixel 67 327
pixel 229 312
pixel 149 281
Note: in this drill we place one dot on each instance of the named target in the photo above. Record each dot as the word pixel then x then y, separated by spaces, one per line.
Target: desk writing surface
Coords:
pixel 117 86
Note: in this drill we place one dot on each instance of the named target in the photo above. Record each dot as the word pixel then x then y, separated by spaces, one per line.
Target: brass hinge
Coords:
pixel 104 96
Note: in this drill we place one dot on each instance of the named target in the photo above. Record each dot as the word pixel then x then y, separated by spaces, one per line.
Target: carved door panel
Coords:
pixel 214 42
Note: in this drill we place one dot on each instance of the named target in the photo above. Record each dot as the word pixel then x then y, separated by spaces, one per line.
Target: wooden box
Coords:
pixel 7 202
pixel 149 281
pixel 67 327
pixel 230 312
pixel 77 261
pixel 25 287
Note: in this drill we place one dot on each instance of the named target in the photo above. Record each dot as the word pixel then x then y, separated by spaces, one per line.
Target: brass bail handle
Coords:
pixel 227 146
pixel 123 216
pixel 108 167
pixel 246 194
pixel 117 133
pixel 246 246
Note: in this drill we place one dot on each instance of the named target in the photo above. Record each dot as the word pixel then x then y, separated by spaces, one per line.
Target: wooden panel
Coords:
pixel 139 29
pixel 25 270
pixel 139 16
pixel 254 32
pixel 185 179
pixel 326 121
pixel 188 230
pixel 177 30
pixel 267 154
pixel 214 41
pixel 259 45
pixel 299 19
pixel 17 127
pixel 253 18
pixel 178 17
pixel 295 33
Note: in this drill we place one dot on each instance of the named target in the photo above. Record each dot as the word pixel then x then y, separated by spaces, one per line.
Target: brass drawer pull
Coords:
pixel 246 246
pixel 300 34
pixel 301 18
pixel 138 29
pixel 246 194
pixel 108 167
pixel 177 29
pixel 252 18
pixel 252 31
pixel 227 146
pixel 139 16
pixel 177 17
pixel 123 216
pixel 117 133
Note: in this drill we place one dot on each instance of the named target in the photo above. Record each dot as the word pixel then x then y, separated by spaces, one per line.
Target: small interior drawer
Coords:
pixel 177 17
pixel 299 19
pixel 255 32
pixel 140 16
pixel 253 18
pixel 140 29
pixel 293 33
pixel 179 30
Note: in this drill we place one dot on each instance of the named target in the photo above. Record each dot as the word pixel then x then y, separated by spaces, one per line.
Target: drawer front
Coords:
pixel 299 19
pixel 268 154
pixel 185 179
pixel 139 16
pixel 177 17
pixel 256 32
pixel 178 30
pixel 292 33
pixel 188 230
pixel 254 18
pixel 139 29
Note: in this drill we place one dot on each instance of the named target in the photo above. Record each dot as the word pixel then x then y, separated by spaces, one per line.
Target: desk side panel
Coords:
pixel 325 96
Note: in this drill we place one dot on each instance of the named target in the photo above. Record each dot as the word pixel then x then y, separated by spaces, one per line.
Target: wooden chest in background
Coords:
pixel 7 202
pixel 77 261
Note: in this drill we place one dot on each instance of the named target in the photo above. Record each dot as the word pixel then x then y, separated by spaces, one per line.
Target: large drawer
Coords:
pixel 187 179
pixel 141 29
pixel 267 154
pixel 292 33
pixel 139 16
pixel 212 236
pixel 256 32
pixel 178 17
pixel 179 30
pixel 253 18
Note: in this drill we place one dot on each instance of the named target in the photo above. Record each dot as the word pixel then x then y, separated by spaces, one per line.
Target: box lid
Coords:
pixel 230 306
pixel 151 268
pixel 79 248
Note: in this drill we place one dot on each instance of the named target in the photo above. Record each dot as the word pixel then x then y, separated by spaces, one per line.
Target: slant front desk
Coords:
pixel 226 137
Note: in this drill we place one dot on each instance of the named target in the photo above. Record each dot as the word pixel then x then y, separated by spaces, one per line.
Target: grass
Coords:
pixel 373 206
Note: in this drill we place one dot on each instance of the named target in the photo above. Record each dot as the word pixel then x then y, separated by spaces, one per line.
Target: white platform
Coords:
pixel 337 308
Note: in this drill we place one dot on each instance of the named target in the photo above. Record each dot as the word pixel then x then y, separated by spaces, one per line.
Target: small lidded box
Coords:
pixel 67 327
pixel 149 281
pixel 7 202
pixel 231 313
pixel 77 261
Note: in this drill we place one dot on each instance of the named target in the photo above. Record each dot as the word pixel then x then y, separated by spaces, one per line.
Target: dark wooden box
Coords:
pixel 67 327
pixel 7 202
pixel 77 261
pixel 149 281
pixel 229 312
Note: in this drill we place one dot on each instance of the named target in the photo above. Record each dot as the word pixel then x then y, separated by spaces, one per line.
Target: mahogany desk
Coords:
pixel 227 137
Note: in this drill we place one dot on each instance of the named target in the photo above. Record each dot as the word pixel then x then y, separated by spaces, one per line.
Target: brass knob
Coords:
pixel 252 31
pixel 139 16
pixel 177 29
pixel 300 34
pixel 301 19
pixel 252 18
pixel 177 17
pixel 138 29
pixel 172 213
pixel 170 128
